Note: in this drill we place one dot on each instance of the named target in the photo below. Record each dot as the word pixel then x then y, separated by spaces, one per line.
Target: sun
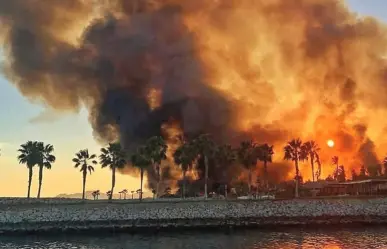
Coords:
pixel 330 143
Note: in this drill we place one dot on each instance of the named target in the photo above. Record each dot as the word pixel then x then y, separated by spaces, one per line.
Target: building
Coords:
pixel 361 187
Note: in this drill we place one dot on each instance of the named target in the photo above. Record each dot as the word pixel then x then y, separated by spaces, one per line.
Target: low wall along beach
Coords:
pixel 21 215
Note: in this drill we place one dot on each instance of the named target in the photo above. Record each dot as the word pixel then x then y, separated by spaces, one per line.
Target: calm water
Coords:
pixel 366 238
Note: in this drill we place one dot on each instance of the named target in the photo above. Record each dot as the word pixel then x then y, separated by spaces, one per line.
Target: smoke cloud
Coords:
pixel 263 70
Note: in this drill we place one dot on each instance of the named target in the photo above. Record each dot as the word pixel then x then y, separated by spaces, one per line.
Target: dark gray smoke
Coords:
pixel 215 72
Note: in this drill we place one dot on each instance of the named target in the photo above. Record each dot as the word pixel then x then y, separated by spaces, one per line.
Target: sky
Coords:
pixel 24 120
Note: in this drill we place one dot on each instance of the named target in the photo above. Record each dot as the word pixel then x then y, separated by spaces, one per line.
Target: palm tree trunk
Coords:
pixel 158 180
pixel 184 183
pixel 40 180
pixel 113 182
pixel 312 163
pixel 225 191
pixel 297 177
pixel 205 176
pixel 337 171
pixel 266 174
pixel 29 181
pixel 141 180
pixel 84 184
pixel 250 180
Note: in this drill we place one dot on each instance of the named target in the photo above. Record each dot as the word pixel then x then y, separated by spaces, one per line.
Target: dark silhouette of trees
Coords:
pixel 266 152
pixel 46 161
pixel 224 156
pixel 156 150
pixel 185 156
pixel 205 148
pixel 30 156
pixel 335 161
pixel 294 151
pixel 311 150
pixel 113 157
pixel 95 194
pixel 85 162
pixel 248 155
pixel 142 161
pixel 341 177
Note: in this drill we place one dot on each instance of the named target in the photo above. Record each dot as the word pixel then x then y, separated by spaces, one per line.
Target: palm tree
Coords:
pixel 113 157
pixel 139 192
pixel 30 156
pixel 156 150
pixel 124 192
pixel 248 155
pixel 132 192
pixel 142 161
pixel 335 161
pixel 109 194
pixel 384 163
pixel 46 160
pixel 294 152
pixel 205 148
pixel 224 157
pixel 266 156
pixel 85 161
pixel 97 193
pixel 311 152
pixel 185 156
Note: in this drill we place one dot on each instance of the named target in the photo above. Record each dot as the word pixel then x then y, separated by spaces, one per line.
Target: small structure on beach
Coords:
pixel 334 188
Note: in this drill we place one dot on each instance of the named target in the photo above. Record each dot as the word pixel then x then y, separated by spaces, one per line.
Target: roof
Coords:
pixel 365 181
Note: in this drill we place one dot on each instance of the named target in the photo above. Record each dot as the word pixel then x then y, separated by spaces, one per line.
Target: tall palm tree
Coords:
pixel 335 161
pixel 185 156
pixel 142 161
pixel 266 156
pixel 205 148
pixel 318 173
pixel 294 152
pixel 224 156
pixel 47 159
pixel 113 156
pixel 156 150
pixel 311 149
pixel 30 156
pixel 248 155
pixel 85 161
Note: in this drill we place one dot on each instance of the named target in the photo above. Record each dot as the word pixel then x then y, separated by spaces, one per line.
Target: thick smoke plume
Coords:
pixel 257 69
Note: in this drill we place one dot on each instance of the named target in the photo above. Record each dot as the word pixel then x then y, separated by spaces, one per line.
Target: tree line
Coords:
pixel 154 150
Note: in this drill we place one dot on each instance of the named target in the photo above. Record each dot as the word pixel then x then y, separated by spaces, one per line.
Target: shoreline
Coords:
pixel 54 216
pixel 179 226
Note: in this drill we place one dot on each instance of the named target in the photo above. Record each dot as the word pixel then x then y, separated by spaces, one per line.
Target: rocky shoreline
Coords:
pixel 69 215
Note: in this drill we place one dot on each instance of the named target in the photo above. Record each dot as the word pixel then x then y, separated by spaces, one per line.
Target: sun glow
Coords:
pixel 330 143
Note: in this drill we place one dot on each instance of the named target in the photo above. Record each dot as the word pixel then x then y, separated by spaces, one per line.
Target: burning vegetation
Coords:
pixel 239 70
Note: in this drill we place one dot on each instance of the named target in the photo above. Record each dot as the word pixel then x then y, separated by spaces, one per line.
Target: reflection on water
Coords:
pixel 367 238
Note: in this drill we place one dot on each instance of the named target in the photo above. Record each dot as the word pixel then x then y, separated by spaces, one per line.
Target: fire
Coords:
pixel 154 98
pixel 307 68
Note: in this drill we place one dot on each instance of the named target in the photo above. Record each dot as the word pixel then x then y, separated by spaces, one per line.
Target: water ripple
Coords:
pixel 361 238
